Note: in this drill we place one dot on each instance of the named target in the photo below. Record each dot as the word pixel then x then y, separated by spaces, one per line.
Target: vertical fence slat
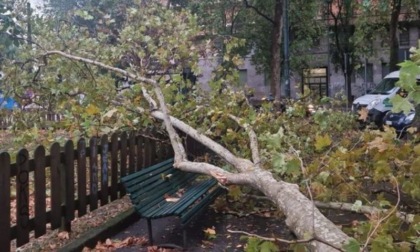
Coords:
pixel 55 186
pixel 5 202
pixel 152 152
pixel 69 178
pixel 22 192
pixel 93 163
pixel 104 170
pixel 140 149
pixel 131 152
pixel 147 152
pixel 123 154
pixel 81 176
pixel 40 192
pixel 114 167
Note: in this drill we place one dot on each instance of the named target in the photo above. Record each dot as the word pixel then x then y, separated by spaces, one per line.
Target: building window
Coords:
pixel 315 79
pixel 366 72
pixel 403 54
pixel 385 69
pixel 404 37
pixel 243 77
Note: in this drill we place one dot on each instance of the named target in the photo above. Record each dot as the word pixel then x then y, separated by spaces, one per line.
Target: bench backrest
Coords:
pixel 150 186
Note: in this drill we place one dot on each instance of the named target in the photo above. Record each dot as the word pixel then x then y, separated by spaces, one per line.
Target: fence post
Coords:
pixel 55 186
pixel 131 152
pixel 104 170
pixel 114 167
pixel 40 192
pixel 5 230
pixel 81 177
pixel 93 163
pixel 22 192
pixel 69 184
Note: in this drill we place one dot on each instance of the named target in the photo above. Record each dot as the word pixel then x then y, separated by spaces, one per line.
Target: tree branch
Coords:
pixel 179 150
pixel 247 5
pixel 253 139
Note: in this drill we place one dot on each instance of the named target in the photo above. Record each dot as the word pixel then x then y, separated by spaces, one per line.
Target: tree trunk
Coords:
pixel 276 34
pixel 393 35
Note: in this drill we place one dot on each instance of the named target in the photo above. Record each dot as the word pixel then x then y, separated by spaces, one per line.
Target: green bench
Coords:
pixel 161 190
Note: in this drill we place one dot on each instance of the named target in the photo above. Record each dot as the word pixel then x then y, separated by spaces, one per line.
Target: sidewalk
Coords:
pixel 168 231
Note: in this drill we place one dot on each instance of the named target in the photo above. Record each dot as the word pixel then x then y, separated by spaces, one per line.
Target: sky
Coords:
pixel 36 3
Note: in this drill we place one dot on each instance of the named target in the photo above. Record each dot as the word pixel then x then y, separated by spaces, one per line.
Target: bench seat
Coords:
pixel 161 190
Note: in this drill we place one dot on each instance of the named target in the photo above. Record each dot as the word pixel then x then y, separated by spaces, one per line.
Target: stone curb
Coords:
pixel 106 230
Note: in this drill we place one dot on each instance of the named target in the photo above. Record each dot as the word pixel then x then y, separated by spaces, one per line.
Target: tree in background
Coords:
pixel 11 27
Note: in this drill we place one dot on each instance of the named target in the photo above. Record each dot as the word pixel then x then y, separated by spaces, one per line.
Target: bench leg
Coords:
pixel 184 237
pixel 149 229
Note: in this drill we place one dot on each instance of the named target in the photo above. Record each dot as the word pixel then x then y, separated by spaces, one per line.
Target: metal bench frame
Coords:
pixel 150 187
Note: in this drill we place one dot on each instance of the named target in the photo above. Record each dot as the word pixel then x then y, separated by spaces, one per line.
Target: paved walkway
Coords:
pixel 168 231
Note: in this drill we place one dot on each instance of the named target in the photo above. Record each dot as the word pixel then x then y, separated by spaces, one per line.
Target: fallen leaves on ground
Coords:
pixel 157 249
pixel 112 245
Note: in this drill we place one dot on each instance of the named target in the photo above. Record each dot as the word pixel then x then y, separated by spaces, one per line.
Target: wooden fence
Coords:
pixel 79 178
pixel 7 118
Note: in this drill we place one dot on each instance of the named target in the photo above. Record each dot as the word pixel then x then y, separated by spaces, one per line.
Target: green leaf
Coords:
pixel 322 142
pixel 356 206
pixel 293 167
pixel 279 163
pixel 268 246
pixel 401 104
pixel 352 246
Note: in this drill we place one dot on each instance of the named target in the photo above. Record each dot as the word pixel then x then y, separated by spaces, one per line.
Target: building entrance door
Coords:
pixel 315 80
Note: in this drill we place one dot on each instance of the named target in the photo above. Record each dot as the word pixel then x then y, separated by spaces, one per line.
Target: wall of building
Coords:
pixel 249 76
pixel 260 85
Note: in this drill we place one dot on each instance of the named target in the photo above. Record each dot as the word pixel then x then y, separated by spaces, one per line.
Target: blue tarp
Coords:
pixel 7 102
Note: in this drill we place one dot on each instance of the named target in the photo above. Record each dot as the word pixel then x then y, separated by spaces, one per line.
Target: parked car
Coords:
pixel 378 101
pixel 399 121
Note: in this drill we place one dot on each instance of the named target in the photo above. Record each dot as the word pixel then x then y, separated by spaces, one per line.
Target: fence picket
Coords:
pixel 140 152
pixel 104 170
pixel 131 152
pixel 55 186
pixel 123 154
pixel 81 177
pixel 5 184
pixel 147 152
pixel 69 183
pixel 40 192
pixel 114 167
pixel 22 192
pixel 93 166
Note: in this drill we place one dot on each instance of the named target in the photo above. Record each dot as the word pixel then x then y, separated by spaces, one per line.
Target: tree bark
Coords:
pixel 276 34
pixel 393 35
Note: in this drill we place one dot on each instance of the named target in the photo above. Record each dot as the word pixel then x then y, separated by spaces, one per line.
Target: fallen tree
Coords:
pixel 302 217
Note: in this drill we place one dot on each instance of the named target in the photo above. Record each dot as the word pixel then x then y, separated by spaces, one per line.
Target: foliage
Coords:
pixel 323 152
pixel 11 30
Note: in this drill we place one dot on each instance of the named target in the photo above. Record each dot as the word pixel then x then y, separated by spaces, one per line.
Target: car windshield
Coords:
pixel 385 86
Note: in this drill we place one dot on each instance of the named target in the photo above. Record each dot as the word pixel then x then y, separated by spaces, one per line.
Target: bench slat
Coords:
pixel 156 198
pixel 200 206
pixel 149 172
pixel 153 184
pixel 188 198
